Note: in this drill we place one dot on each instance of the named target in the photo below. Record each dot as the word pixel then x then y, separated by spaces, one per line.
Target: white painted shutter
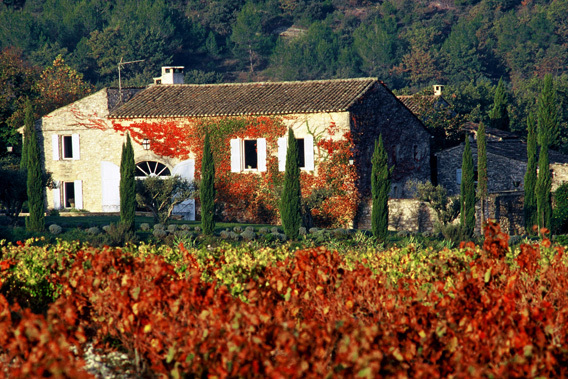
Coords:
pixel 55 146
pixel 78 194
pixel 110 181
pixel 261 153
pixel 75 141
pixel 309 153
pixel 56 191
pixel 282 145
pixel 236 155
pixel 459 176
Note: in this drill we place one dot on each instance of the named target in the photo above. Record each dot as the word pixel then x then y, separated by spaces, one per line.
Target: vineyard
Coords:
pixel 486 310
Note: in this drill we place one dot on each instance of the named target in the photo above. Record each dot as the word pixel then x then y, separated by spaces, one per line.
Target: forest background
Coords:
pixel 57 51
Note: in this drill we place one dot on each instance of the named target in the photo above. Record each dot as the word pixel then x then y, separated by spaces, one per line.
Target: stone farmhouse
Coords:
pixel 82 145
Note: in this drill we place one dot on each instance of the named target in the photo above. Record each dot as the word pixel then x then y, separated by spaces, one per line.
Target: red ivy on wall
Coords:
pixel 254 196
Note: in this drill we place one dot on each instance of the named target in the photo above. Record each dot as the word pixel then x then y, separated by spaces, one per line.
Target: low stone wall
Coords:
pixel 404 215
pixel 412 215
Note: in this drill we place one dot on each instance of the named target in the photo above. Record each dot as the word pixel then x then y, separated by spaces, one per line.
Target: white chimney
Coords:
pixel 170 75
pixel 438 90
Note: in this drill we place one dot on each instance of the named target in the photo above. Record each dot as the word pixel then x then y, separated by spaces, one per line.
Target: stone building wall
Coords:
pixel 85 121
pixel 409 215
pixel 503 174
pixel 405 139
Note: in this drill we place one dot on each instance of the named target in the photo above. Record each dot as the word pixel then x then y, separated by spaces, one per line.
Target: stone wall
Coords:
pixel 405 139
pixel 97 143
pixel 503 174
pixel 404 215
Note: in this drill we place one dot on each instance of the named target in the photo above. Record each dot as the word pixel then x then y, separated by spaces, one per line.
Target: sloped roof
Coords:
pixel 492 134
pixel 512 149
pixel 417 103
pixel 202 100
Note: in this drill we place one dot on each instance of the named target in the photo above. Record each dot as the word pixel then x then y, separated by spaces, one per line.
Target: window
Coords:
pixel 248 155
pixel 65 146
pixel 151 168
pixel 68 194
pixel 306 153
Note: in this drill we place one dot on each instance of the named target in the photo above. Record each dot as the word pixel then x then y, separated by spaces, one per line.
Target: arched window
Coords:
pixel 150 168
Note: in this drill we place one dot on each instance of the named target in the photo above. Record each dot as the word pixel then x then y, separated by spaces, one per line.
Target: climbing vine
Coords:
pixel 330 192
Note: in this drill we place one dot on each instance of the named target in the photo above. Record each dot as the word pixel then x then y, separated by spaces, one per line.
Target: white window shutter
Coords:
pixel 236 155
pixel 55 146
pixel 75 141
pixel 261 153
pixel 309 153
pixel 282 145
pixel 56 191
pixel 78 194
pixel 459 176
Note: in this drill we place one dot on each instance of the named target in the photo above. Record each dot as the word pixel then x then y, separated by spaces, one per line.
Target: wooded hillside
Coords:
pixel 467 45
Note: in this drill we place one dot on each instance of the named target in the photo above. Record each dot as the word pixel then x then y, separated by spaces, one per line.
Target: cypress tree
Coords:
pixel 530 207
pixel 290 203
pixel 548 125
pixel 380 187
pixel 547 135
pixel 467 190
pixel 28 120
pixel 499 116
pixel 36 203
pixel 482 170
pixel 207 189
pixel 127 185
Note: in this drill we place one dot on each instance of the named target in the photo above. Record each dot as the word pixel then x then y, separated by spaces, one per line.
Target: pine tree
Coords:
pixel 36 220
pixel 499 116
pixel 207 189
pixel 467 190
pixel 547 135
pixel 290 203
pixel 482 170
pixel 380 187
pixel 127 186
pixel 530 206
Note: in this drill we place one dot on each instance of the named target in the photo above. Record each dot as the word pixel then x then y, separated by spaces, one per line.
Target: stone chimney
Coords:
pixel 170 75
pixel 438 89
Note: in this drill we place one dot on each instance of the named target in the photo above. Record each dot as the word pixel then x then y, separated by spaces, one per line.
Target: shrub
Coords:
pixel 275 230
pixel 303 231
pixel 263 230
pixel 118 235
pixel 237 229
pixel 55 229
pixel 93 231
pixel 145 227
pixel 197 229
pixel 172 228
pixel 159 226
pixel 185 227
pixel 159 233
pixel 248 235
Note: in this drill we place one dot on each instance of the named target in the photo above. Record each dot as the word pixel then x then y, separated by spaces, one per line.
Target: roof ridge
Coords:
pixel 361 79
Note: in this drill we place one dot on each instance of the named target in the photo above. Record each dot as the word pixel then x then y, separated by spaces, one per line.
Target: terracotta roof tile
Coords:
pixel 186 100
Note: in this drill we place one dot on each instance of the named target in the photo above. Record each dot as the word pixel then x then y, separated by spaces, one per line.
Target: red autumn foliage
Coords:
pixel 309 316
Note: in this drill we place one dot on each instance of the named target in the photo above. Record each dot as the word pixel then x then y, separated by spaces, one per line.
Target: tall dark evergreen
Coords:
pixel 547 135
pixel 207 189
pixel 467 191
pixel 127 185
pixel 482 170
pixel 36 203
pixel 499 116
pixel 28 120
pixel 530 207
pixel 548 125
pixel 290 203
pixel 380 187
